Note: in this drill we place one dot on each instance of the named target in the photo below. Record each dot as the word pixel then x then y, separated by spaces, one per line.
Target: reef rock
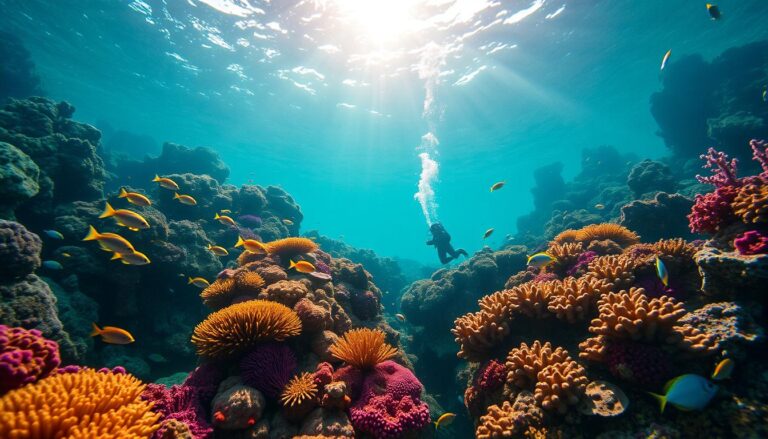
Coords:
pixel 236 406
pixel 18 179
pixel 649 176
pixel 174 159
pixel 19 251
pixel 662 217
pixel 730 274
pixel 732 325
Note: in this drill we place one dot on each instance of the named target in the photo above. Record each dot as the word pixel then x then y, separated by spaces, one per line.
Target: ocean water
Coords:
pixel 327 99
pixel 355 125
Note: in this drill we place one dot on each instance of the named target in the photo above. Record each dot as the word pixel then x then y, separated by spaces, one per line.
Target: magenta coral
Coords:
pixel 751 242
pixel 712 211
pixel 25 357
pixel 581 263
pixel 760 154
pixel 491 375
pixel 389 404
pixel 181 403
pixel 723 171
pixel 268 368
pixel 205 380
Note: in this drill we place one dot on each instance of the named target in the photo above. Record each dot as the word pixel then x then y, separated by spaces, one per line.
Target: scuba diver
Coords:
pixel 442 241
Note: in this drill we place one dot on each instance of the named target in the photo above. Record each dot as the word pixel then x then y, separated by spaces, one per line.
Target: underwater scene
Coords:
pixel 383 219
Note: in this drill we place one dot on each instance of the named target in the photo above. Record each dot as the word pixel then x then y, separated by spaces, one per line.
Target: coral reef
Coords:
pixel 268 368
pixel 25 357
pixel 362 348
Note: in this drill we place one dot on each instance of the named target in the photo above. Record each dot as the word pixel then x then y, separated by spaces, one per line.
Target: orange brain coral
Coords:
pixel 237 328
pixel 220 293
pixel 288 247
pixel 299 389
pixel 362 348
pixel 751 203
pixel 84 404
pixel 614 232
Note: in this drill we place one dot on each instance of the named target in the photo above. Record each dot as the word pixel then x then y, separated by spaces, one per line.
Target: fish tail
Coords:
pixel 92 234
pixel 95 331
pixel 190 280
pixel 293 264
pixel 661 398
pixel 108 211
pixel 157 178
pixel 239 241
pixel 176 196
pixel 123 193
pixel 217 216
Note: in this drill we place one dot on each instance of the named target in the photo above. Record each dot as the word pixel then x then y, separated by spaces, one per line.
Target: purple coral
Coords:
pixel 268 368
pixel 19 250
pixel 723 171
pixel 760 154
pixel 25 357
pixel 638 363
pixel 181 403
pixel 581 263
pixel 205 380
pixel 751 242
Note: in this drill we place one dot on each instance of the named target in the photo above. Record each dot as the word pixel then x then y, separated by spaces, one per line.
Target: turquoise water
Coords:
pixel 327 99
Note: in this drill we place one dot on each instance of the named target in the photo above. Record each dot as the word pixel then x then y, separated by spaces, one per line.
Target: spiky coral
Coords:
pixel 289 247
pixel 362 348
pixel 237 328
pixel 268 368
pixel 84 404
pixel 25 357
pixel 299 389
pixel 221 293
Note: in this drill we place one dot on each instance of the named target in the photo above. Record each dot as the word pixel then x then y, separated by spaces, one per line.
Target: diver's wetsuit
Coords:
pixel 442 241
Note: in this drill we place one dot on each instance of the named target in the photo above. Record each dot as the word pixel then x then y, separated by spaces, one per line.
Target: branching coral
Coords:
pixel 84 404
pixel 566 255
pixel 25 357
pixel 478 333
pixel 237 328
pixel 618 271
pixel 509 420
pixel 221 293
pixel 574 299
pixel 289 247
pixel 362 348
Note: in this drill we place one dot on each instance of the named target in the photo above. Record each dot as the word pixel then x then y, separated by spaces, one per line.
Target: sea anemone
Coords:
pixel 300 388
pixel 614 232
pixel 362 348
pixel 221 293
pixel 85 404
pixel 238 328
pixel 289 247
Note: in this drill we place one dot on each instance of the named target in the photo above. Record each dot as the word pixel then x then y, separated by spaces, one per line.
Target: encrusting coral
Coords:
pixel 239 327
pixel 362 348
pixel 25 357
pixel 83 404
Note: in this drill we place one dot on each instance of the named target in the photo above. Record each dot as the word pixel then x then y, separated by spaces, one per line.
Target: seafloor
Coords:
pixel 356 346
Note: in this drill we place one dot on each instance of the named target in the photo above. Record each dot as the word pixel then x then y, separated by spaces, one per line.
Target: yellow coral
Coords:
pixel 220 293
pixel 751 203
pixel 84 404
pixel 299 389
pixel 237 328
pixel 362 348
pixel 289 247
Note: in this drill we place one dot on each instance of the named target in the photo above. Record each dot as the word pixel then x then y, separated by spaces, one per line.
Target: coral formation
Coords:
pixel 291 247
pixel 362 348
pixel 222 291
pixel 268 368
pixel 25 357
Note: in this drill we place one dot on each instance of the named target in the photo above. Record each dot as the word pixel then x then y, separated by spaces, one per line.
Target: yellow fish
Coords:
pixel 217 250
pixel 723 370
pixel 287 222
pixel 134 198
pixel 198 282
pixel 166 183
pixel 665 59
pixel 540 260
pixel 227 221
pixel 125 217
pixel 302 266
pixel 110 334
pixel 109 241
pixel 251 245
pixel 599 206
pixel 66 255
pixel 498 185
pixel 135 258
pixel 225 211
pixel 445 420
pixel 185 199
pixel 400 317
pixel 488 233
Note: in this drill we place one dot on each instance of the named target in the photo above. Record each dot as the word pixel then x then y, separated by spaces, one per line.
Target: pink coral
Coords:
pixel 581 263
pixel 180 403
pixel 269 368
pixel 491 375
pixel 389 404
pixel 205 380
pixel 751 242
pixel 25 357
pixel 712 211
pixel 723 171
pixel 760 154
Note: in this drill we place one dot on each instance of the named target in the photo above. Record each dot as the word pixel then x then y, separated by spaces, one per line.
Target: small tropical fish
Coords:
pixel 198 282
pixel 225 211
pixel 54 234
pixel 723 370
pixel 112 335
pixel 66 255
pixel 251 245
pixel 714 11
pixel 539 260
pixel 661 271
pixel 765 94
pixel 166 183
pixel 226 220
pixel 135 258
pixel 217 250
pixel 134 198
pixel 445 420
pixel 488 233
pixel 599 206
pixel 125 217
pixel 687 392
pixel 665 59
pixel 53 265
pixel 185 199
pixel 302 266
pixel 287 222
pixel 400 317
pixel 498 185
pixel 109 241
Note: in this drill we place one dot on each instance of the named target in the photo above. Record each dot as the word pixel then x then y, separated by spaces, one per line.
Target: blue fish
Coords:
pixel 687 392
pixel 55 234
pixel 540 260
pixel 52 265
pixel 661 271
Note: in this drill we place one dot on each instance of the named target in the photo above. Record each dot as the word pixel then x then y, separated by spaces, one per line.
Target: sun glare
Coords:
pixel 379 21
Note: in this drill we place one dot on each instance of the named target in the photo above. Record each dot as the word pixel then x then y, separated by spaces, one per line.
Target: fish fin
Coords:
pixel 92 234
pixel 108 211
pixel 95 330
pixel 133 229
pixel 176 196
pixel 293 264
pixel 661 398
pixel 125 262
pixel 157 178
pixel 239 241
pixel 668 385
pixel 123 193
pixel 116 256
